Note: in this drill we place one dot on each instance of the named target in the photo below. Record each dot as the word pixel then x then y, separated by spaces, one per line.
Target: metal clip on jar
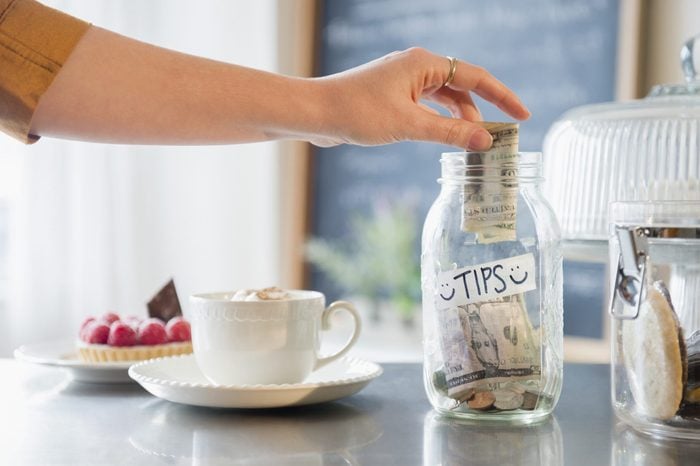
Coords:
pixel 655 272
pixel 492 291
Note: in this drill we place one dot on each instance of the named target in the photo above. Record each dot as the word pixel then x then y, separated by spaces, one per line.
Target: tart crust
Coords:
pixel 105 353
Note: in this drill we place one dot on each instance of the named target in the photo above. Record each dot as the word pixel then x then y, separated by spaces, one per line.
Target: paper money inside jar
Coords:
pixel 492 287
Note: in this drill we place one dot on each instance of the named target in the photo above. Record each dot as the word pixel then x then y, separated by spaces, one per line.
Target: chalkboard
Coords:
pixel 556 54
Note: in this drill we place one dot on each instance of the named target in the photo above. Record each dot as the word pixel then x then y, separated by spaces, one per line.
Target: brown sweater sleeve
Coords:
pixel 35 41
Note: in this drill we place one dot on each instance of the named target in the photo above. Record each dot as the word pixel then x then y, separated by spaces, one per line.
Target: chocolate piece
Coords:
pixel 165 304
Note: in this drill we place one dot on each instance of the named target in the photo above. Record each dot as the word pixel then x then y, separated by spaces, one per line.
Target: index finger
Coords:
pixel 469 77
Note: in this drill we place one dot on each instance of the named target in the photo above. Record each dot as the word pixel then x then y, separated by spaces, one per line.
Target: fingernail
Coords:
pixel 480 140
pixel 526 111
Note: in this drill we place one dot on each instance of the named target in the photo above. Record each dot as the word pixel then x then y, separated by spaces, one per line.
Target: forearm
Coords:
pixel 115 89
pixel 119 90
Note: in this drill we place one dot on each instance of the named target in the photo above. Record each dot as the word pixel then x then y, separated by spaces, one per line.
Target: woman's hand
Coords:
pixel 380 102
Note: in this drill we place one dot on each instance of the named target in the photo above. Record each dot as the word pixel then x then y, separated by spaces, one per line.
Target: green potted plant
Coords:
pixel 378 261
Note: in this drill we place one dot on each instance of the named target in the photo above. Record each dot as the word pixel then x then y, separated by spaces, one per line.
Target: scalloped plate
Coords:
pixel 178 379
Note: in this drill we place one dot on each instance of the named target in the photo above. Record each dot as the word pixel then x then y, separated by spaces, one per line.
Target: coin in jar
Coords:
pixel 514 387
pixel 530 400
pixel 507 400
pixel 481 401
pixel 465 395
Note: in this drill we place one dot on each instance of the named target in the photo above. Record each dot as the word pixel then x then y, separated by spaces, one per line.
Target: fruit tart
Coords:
pixel 112 338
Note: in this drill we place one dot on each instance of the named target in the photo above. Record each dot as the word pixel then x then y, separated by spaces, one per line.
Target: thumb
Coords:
pixel 451 131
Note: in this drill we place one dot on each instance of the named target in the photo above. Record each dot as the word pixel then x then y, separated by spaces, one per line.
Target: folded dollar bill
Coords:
pixel 491 198
pixel 488 342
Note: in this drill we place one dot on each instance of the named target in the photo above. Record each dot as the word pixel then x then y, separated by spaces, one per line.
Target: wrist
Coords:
pixel 309 108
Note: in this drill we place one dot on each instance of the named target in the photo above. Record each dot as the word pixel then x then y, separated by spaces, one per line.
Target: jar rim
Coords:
pixel 522 154
pixel 457 167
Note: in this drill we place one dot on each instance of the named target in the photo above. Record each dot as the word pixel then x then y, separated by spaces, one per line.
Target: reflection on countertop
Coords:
pixel 49 419
pixel 631 448
pixel 323 434
pixel 451 442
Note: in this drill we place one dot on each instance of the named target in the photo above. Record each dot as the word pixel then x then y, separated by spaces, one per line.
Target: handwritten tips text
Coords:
pixel 484 282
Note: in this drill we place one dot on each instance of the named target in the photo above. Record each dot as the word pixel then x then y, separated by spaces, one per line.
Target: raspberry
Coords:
pixel 121 334
pixel 96 333
pixel 133 321
pixel 178 329
pixel 152 332
pixel 110 318
pixel 84 325
pixel 86 322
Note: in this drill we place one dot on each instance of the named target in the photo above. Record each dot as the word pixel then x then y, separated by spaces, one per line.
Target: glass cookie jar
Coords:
pixel 635 150
pixel 491 273
pixel 655 316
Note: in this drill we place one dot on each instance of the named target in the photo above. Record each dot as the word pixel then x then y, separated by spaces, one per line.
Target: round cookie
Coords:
pixel 653 357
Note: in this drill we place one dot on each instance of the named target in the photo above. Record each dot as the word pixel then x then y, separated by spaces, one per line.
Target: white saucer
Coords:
pixel 62 353
pixel 179 379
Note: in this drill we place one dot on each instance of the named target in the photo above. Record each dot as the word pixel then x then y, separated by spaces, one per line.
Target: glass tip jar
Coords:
pixel 491 275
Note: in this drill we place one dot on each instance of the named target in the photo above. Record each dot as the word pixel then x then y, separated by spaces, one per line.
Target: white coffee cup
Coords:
pixel 263 342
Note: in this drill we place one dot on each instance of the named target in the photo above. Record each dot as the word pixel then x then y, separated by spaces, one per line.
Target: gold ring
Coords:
pixel 453 70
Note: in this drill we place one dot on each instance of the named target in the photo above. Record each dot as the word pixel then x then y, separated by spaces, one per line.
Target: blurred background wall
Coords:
pixel 88 227
pixel 667 25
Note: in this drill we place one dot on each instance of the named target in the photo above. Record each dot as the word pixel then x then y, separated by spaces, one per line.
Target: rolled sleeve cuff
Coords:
pixel 35 42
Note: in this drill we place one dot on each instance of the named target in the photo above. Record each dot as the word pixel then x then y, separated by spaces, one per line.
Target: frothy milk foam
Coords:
pixel 272 293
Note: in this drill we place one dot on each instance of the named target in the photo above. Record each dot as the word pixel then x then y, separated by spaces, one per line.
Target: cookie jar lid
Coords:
pixel 641 150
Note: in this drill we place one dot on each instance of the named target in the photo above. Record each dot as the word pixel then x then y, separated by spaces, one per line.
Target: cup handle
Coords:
pixel 326 324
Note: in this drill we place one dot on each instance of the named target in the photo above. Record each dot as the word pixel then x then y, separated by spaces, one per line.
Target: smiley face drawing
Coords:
pixel 515 271
pixel 449 291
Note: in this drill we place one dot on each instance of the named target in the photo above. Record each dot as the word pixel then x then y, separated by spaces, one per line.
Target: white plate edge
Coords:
pixel 375 370
pixel 21 354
